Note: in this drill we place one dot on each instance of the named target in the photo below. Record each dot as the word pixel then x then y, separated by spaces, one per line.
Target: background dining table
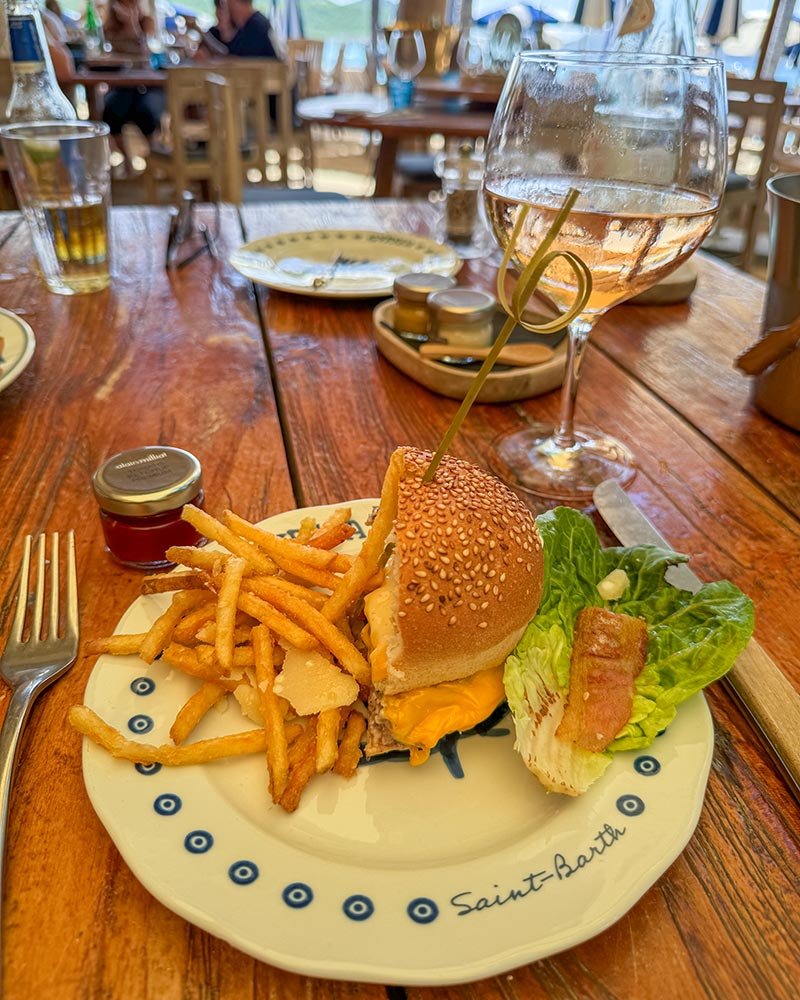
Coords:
pixel 287 403
pixel 426 118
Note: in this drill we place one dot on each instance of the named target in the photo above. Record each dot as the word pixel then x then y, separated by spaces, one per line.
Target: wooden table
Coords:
pixel 307 412
pixel 97 81
pixel 478 89
pixel 421 121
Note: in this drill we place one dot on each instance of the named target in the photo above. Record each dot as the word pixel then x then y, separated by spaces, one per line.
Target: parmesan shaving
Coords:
pixel 311 684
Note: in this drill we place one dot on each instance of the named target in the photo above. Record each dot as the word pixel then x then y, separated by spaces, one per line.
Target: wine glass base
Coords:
pixel 530 461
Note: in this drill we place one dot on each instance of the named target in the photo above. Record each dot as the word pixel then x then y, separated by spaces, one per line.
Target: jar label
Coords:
pixel 26 46
pixel 145 473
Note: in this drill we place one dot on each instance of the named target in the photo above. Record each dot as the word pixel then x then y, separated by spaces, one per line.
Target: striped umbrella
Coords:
pixel 594 13
pixel 719 20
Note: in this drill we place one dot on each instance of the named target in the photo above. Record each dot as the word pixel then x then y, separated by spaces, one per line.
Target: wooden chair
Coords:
pixel 304 59
pixel 184 157
pixel 225 139
pixel 755 109
pixel 265 97
pixel 228 152
pixel 263 108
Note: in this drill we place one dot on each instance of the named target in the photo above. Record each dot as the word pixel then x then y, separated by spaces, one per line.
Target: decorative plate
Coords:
pixel 19 344
pixel 460 869
pixel 346 263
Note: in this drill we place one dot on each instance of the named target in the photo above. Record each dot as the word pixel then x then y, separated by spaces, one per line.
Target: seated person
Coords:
pixel 253 32
pixel 215 41
pixel 126 29
pixel 60 55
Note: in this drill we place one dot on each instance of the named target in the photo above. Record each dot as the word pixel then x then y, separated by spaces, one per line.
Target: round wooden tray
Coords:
pixel 502 386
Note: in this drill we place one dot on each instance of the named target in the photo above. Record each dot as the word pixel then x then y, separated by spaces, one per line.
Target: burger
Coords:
pixel 463 580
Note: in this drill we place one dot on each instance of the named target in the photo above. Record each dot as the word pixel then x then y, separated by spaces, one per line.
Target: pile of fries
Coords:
pixel 236 615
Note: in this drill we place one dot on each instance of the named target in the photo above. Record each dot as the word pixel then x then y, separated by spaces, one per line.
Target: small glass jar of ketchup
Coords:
pixel 141 494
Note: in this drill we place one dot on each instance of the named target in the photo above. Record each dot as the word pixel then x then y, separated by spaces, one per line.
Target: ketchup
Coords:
pixel 141 494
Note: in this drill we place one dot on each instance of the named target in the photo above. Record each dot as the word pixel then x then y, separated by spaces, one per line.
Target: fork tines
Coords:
pixel 24 597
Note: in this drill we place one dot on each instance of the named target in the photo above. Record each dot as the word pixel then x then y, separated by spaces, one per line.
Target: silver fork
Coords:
pixel 31 662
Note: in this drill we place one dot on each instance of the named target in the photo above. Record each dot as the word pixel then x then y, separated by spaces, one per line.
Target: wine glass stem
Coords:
pixel 564 433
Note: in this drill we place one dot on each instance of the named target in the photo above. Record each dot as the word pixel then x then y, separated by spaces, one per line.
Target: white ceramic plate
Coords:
pixel 19 345
pixel 345 263
pixel 400 875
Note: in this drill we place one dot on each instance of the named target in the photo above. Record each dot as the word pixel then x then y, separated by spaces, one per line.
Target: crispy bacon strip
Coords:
pixel 608 653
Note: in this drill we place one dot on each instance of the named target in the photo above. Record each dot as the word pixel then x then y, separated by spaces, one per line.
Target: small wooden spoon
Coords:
pixel 516 355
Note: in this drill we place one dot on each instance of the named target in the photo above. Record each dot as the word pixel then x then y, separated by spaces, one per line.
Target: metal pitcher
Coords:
pixel 775 359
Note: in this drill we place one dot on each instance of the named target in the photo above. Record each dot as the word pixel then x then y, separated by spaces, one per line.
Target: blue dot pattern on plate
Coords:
pixel 422 910
pixel 167 805
pixel 143 686
pixel 243 872
pixel 198 841
pixel 630 805
pixel 647 765
pixel 358 907
pixel 297 895
pixel 140 723
pixel 147 768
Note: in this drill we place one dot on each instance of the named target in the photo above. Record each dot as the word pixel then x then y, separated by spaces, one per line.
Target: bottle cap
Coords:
pixel 147 480
pixel 463 304
pixel 417 286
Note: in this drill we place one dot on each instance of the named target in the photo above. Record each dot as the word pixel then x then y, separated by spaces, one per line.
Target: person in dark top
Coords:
pixel 215 40
pixel 252 39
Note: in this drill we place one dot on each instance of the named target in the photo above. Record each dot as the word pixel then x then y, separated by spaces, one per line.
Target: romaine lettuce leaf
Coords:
pixel 693 639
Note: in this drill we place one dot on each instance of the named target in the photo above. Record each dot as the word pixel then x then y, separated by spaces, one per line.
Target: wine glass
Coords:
pixel 643 140
pixel 406 53
pixel 471 52
pixel 406 61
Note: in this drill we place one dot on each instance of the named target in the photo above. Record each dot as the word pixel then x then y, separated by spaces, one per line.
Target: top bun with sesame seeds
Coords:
pixel 464 579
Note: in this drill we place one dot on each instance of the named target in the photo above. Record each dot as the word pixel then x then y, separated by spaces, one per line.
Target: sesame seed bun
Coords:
pixel 465 576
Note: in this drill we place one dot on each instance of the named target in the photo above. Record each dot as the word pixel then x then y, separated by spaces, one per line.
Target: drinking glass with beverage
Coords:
pixel 643 140
pixel 62 180
pixel 406 61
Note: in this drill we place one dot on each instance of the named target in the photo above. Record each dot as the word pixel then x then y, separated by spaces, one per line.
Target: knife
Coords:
pixel 762 690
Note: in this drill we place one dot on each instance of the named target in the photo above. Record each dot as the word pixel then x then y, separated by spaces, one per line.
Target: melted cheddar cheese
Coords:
pixel 420 718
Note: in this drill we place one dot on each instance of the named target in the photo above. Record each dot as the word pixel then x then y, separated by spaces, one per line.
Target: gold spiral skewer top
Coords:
pixel 525 287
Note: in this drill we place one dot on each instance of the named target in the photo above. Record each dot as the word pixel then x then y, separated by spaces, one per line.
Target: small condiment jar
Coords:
pixel 463 317
pixel 462 177
pixel 141 494
pixel 411 315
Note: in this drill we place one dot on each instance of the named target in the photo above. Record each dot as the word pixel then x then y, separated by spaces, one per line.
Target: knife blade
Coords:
pixel 768 698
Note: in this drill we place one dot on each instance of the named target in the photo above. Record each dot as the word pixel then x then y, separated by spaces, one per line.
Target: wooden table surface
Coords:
pixel 287 403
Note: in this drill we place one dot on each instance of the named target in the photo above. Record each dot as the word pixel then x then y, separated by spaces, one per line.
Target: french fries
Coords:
pixel 302 765
pixel 318 625
pixel 227 607
pixel 213 529
pixel 88 723
pixel 193 711
pixel 350 746
pixel 280 624
pixel 162 583
pixel 232 616
pixel 368 559
pixel 275 735
pixel 117 645
pixel 328 725
pixel 162 628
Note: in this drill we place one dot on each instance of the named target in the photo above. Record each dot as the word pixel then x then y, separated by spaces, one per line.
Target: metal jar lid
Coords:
pixel 466 304
pixel 417 286
pixel 148 480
